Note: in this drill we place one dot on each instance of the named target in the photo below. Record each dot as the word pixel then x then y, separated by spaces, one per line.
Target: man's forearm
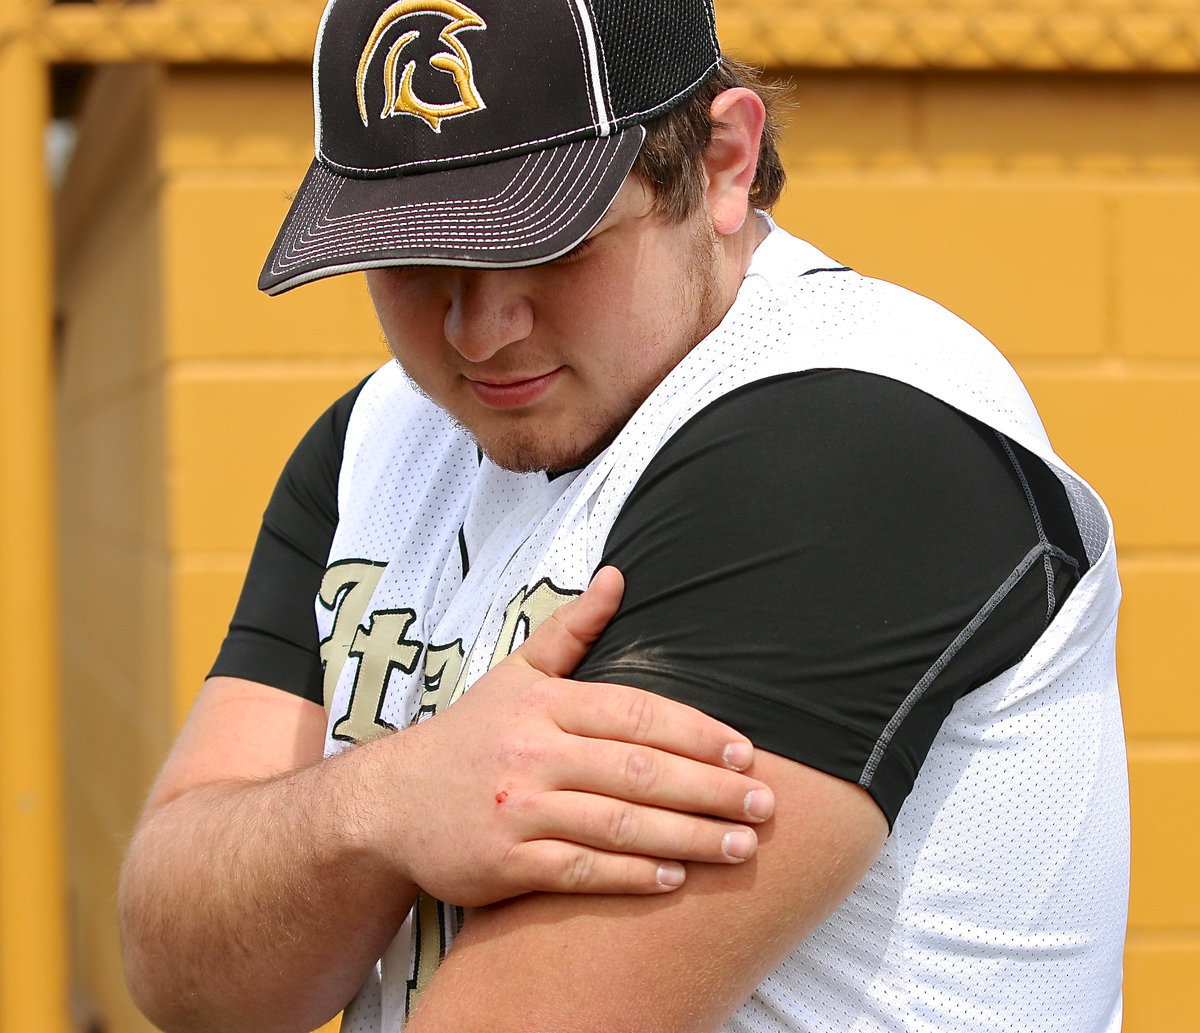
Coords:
pixel 257 905
pixel 263 882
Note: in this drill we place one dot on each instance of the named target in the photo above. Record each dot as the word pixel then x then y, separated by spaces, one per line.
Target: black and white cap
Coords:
pixel 490 133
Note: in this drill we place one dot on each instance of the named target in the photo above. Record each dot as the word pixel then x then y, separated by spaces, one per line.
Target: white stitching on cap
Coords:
pixel 309 248
pixel 352 227
pixel 712 34
pixel 387 263
pixel 303 247
pixel 519 185
pixel 327 232
pixel 322 198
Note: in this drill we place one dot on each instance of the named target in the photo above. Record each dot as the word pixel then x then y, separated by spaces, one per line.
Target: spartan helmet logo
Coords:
pixel 399 98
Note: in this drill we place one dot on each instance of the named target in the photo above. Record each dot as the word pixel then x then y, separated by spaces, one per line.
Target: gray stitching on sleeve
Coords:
pixel 1065 557
pixel 1047 566
pixel 939 665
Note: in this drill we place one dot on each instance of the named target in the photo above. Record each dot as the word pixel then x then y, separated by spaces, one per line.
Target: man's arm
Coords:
pixel 263 882
pixel 549 963
pixel 241 877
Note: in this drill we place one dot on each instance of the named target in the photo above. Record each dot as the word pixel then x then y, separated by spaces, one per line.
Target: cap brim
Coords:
pixel 515 212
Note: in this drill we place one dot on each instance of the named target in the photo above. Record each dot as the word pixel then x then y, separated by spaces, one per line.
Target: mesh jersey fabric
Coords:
pixel 829 565
pixel 868 493
pixel 941 934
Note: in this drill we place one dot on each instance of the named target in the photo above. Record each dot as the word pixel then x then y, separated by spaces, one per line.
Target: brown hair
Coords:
pixel 670 159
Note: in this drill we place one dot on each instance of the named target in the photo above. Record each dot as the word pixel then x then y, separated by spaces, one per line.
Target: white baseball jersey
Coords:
pixel 998 901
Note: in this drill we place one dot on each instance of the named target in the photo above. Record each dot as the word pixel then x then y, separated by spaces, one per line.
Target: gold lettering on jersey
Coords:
pixel 434 923
pixel 399 96
pixel 446 666
pixel 379 642
pixel 380 647
pixel 527 609
pixel 445 680
pixel 346 589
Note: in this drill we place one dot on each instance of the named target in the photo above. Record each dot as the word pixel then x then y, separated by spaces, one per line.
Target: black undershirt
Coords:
pixel 272 638
pixel 800 557
pixel 826 561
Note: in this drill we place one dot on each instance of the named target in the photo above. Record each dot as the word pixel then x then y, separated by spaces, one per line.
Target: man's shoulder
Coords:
pixel 799 275
pixel 826 314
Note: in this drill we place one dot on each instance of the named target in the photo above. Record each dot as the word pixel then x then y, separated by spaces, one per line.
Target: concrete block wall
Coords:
pixel 246 374
pixel 1059 214
pixel 182 391
pixel 1056 212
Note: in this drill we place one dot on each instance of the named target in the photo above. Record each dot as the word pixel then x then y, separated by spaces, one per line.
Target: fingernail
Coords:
pixel 758 804
pixel 670 875
pixel 738 755
pixel 738 844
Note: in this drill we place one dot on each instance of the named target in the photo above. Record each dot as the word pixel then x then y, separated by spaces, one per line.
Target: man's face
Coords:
pixel 544 365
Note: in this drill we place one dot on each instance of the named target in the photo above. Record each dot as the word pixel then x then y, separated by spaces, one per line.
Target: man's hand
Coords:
pixel 262 881
pixel 534 782
pixel 679 963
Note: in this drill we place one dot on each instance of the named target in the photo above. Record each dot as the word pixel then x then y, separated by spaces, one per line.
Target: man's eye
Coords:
pixel 575 253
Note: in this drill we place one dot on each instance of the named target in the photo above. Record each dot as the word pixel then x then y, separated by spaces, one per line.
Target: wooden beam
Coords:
pixel 33 976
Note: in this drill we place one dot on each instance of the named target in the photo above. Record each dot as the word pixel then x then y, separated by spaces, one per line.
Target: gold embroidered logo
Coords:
pixel 399 97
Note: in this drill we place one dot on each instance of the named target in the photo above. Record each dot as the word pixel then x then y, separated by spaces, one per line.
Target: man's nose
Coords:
pixel 488 310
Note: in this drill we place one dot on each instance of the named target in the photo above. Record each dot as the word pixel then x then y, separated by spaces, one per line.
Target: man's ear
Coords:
pixel 732 157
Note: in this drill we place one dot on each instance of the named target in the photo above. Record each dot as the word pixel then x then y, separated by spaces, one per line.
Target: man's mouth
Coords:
pixel 513 392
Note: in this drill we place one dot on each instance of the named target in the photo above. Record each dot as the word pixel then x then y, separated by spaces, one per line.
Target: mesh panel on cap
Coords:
pixel 654 51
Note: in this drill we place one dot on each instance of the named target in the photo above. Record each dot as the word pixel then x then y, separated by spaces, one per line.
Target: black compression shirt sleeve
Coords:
pixel 273 635
pixel 828 561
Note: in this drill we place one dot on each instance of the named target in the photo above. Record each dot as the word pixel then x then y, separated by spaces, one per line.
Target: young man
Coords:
pixel 844 539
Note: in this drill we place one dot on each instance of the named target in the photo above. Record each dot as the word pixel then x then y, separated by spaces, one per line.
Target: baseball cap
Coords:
pixel 490 133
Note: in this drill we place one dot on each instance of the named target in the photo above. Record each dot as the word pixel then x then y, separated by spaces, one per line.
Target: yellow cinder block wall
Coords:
pixel 1056 212
pixel 1059 213
pixel 181 392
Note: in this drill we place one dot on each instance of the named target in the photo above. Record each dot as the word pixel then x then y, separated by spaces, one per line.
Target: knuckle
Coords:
pixel 514 859
pixel 641 772
pixel 538 693
pixel 640 715
pixel 557 623
pixel 723 793
pixel 706 840
pixel 517 752
pixel 576 873
pixel 623 827
pixel 550 696
pixel 552 866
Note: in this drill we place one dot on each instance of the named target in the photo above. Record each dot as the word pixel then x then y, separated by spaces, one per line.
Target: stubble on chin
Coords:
pixel 528 448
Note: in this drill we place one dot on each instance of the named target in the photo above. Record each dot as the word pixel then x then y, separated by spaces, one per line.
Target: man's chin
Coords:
pixel 520 453
pixel 535 459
